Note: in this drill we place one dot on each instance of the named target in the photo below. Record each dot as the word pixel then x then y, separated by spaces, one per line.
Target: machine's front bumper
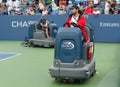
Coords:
pixel 74 73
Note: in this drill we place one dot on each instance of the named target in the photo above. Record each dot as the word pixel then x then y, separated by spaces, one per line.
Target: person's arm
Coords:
pixel 42 25
pixel 67 22
pixel 113 9
pixel 82 23
pixel 47 22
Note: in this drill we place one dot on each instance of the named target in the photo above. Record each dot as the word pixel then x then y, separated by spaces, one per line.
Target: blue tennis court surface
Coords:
pixel 4 56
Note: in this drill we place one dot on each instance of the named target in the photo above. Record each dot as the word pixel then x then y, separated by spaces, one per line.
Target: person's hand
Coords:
pixel 47 22
pixel 74 24
pixel 116 12
pixel 70 22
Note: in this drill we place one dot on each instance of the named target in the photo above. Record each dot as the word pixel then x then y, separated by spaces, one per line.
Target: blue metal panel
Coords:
pixel 53 30
pixel 68 46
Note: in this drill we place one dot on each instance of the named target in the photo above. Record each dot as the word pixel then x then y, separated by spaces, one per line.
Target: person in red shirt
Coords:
pixel 77 20
pixel 88 9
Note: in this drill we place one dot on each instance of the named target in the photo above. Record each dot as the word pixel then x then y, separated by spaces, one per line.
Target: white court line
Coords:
pixel 8 53
pixel 16 54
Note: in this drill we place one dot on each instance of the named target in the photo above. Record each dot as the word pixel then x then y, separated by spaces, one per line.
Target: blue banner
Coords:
pixel 106 27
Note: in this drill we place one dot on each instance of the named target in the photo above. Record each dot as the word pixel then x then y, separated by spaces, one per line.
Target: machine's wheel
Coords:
pixel 40 46
pixel 82 80
pixel 68 81
pixel 31 44
pixel 56 79
pixel 94 72
pixel 76 81
pixel 52 46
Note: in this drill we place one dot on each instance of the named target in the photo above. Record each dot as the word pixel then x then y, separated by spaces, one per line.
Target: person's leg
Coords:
pixel 38 27
pixel 47 33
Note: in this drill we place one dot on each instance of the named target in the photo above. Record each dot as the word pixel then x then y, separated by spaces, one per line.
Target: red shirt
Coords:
pixel 81 23
pixel 62 2
pixel 88 10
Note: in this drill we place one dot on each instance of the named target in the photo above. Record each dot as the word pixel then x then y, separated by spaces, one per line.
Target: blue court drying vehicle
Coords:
pixel 39 38
pixel 73 58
